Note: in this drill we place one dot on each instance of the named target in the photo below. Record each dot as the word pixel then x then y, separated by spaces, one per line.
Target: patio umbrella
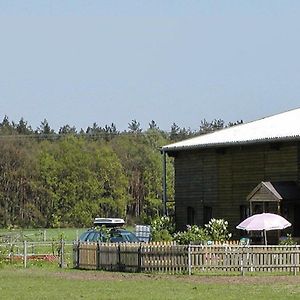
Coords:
pixel 264 222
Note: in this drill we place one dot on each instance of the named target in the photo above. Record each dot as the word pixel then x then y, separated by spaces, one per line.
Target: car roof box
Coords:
pixel 109 222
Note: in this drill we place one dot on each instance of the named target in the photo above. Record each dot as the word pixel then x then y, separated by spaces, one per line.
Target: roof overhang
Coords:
pixel 278 128
pixel 175 148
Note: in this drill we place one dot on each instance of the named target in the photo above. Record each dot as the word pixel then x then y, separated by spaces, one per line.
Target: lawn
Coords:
pixel 41 234
pixel 39 283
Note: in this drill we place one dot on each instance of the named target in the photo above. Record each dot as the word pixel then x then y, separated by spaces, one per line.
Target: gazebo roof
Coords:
pixel 280 127
pixel 267 191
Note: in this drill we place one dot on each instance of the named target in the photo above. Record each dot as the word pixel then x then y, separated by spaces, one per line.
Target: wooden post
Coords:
pixel 164 183
pixel 242 262
pixel 61 256
pixel 140 258
pixel 75 257
pixel 98 256
pixel 295 261
pixel 78 254
pixel 119 257
pixel 189 260
pixel 25 254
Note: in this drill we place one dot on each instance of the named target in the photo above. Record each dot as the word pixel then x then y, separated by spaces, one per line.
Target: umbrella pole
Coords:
pixel 265 237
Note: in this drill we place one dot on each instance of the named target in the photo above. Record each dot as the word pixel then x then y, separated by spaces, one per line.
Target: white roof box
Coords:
pixel 109 222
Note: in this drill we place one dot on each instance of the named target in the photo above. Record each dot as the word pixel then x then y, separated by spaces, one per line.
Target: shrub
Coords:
pixel 217 230
pixel 288 241
pixel 162 229
pixel 192 234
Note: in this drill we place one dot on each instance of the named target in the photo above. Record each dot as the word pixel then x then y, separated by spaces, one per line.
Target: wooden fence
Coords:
pixel 172 258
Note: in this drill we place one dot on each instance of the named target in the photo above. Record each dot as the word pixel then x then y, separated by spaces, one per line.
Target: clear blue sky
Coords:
pixel 79 62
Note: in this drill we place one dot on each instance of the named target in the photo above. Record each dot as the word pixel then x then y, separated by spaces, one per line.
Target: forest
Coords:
pixel 68 177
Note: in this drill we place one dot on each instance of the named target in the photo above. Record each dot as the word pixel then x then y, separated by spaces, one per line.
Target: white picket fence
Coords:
pixel 172 258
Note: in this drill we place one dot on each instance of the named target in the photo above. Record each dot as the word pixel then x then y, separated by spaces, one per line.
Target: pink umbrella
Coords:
pixel 265 222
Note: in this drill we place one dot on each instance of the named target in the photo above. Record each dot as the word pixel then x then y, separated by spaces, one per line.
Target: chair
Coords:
pixel 245 241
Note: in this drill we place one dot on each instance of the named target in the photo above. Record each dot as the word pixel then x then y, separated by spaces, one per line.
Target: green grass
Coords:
pixel 38 283
pixel 39 234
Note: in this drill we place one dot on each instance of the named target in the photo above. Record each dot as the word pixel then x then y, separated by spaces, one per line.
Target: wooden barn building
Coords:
pixel 226 173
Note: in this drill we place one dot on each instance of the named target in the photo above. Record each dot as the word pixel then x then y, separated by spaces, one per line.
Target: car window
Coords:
pixel 90 237
pixel 123 236
pixel 83 236
pixel 129 237
pixel 116 237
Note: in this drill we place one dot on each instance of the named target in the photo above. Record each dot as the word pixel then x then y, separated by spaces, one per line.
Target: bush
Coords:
pixel 288 241
pixel 162 229
pixel 162 235
pixel 217 230
pixel 192 234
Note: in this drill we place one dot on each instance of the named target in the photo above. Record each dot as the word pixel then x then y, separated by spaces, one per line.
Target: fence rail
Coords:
pixel 56 251
pixel 173 258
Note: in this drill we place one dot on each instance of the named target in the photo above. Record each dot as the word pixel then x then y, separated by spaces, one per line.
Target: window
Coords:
pixel 190 215
pixel 207 214
pixel 244 212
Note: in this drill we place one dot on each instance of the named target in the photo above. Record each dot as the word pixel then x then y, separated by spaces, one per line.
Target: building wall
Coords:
pixel 222 178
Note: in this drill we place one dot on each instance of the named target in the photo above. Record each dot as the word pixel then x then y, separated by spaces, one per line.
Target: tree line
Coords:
pixel 68 177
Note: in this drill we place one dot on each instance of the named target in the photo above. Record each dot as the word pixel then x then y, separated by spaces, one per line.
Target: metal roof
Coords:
pixel 283 126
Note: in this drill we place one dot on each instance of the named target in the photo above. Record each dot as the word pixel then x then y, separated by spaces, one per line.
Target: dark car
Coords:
pixel 114 235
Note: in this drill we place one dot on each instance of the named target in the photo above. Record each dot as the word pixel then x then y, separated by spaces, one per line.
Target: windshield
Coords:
pixel 123 236
pixel 115 236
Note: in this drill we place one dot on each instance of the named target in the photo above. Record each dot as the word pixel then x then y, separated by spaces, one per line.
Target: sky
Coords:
pixel 79 62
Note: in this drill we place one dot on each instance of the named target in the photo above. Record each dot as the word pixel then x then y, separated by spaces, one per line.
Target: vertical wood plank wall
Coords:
pixel 222 178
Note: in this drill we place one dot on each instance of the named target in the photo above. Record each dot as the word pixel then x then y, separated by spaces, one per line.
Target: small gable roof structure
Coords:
pixel 274 192
pixel 267 191
pixel 281 127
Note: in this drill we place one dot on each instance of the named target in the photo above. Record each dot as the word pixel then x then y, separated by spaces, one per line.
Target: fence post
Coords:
pixel 295 261
pixel 98 256
pixel 242 262
pixel 140 258
pixel 25 254
pixel 119 256
pixel 61 256
pixel 78 254
pixel 189 259
pixel 74 255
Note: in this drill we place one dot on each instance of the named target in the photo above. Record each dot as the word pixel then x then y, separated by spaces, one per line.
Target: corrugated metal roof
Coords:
pixel 283 126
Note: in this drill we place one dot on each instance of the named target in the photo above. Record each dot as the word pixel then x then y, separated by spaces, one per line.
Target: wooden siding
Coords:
pixel 223 178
